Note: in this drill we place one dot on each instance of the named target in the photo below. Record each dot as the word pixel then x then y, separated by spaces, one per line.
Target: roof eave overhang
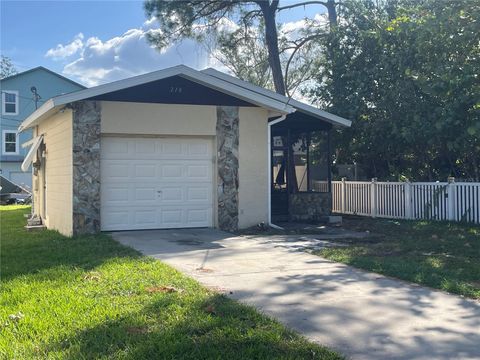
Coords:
pixel 335 120
pixel 226 87
pixel 38 115
pixel 305 108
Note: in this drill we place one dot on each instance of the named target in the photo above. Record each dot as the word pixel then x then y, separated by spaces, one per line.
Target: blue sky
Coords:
pixel 96 41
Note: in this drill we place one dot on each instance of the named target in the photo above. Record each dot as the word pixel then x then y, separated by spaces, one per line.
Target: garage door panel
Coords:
pixel 171 148
pixel 145 217
pixel 156 148
pixel 197 216
pixel 117 170
pixel 147 194
pixel 150 183
pixel 171 171
pixel 172 194
pixel 143 147
pixel 199 193
pixel 198 149
pixel 114 149
pixel 172 218
pixel 115 194
pixel 199 172
pixel 113 219
pixel 145 171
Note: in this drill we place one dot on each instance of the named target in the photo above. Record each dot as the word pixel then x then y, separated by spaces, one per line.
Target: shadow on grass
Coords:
pixel 24 252
pixel 176 327
pixel 442 255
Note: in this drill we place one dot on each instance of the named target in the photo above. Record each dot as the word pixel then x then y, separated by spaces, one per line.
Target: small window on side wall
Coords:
pixel 10 102
pixel 10 142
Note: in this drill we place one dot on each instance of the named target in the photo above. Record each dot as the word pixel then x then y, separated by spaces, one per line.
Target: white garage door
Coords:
pixel 156 183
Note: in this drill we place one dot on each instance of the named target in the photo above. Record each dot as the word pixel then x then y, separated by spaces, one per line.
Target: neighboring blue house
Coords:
pixel 17 103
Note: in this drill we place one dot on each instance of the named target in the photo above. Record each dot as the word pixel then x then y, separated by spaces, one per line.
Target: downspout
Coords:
pixel 269 152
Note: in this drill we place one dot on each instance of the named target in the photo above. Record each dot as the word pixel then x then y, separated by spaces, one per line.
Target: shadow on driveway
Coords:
pixel 361 314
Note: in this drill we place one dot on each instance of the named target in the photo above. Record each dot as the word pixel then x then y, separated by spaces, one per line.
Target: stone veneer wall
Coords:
pixel 86 167
pixel 227 162
pixel 310 206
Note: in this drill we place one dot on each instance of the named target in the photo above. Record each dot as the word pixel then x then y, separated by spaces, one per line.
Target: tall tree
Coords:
pixel 409 81
pixel 6 67
pixel 197 19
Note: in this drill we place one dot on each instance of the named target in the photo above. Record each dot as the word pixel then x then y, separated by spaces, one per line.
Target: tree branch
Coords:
pixel 305 3
pixel 297 47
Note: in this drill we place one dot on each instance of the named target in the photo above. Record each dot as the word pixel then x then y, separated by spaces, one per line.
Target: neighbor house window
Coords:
pixel 10 142
pixel 9 102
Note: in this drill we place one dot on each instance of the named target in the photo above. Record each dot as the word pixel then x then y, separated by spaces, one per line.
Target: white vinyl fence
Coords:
pixel 404 200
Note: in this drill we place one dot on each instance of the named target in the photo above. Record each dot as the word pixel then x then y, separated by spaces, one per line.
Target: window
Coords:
pixel 9 102
pixel 10 142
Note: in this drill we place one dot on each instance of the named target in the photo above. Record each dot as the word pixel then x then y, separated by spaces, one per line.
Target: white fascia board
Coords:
pixel 118 85
pixel 324 115
pixel 311 110
pixel 238 91
pixel 35 117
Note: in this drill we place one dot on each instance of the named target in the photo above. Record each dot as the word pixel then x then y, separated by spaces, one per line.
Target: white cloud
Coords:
pixel 95 61
pixel 64 51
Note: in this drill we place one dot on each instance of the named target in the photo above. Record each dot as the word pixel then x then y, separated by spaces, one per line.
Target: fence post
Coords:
pixel 408 200
pixel 343 194
pixel 373 197
pixel 451 198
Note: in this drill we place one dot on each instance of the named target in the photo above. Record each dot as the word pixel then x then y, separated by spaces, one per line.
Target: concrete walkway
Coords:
pixel 362 315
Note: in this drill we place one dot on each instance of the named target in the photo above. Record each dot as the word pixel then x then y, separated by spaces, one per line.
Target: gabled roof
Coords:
pixel 277 104
pixel 44 69
pixel 300 106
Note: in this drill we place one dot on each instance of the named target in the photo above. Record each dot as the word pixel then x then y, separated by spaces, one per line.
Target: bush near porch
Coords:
pixel 441 255
pixel 90 297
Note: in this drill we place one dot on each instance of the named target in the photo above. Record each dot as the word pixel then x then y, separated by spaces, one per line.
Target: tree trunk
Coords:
pixel 271 37
pixel 332 46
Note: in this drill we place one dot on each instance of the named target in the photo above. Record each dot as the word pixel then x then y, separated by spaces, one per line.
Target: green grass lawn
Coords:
pixel 90 297
pixel 437 254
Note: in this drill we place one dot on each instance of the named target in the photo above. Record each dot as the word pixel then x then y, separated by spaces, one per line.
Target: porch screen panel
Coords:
pixel 318 161
pixel 309 156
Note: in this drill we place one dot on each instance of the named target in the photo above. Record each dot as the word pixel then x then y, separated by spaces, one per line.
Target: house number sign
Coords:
pixel 175 90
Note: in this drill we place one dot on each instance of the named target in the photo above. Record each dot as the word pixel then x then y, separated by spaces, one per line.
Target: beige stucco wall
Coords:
pixel 158 119
pixel 57 133
pixel 253 167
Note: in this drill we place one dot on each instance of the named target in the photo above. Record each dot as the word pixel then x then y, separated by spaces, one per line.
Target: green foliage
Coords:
pixel 188 19
pixel 6 67
pixel 244 53
pixel 91 298
pixel 244 36
pixel 407 75
pixel 437 254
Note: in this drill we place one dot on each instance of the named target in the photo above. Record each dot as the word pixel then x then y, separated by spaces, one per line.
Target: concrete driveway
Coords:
pixel 362 315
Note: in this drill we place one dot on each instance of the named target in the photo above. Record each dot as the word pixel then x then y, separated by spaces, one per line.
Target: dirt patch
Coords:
pixel 137 330
pixel 162 289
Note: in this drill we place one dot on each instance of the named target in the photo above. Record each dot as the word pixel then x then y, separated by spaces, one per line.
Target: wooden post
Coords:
pixel 343 194
pixel 408 200
pixel 373 197
pixel 451 198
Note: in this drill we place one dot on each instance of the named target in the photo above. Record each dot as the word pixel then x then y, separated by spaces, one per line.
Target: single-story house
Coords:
pixel 178 148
